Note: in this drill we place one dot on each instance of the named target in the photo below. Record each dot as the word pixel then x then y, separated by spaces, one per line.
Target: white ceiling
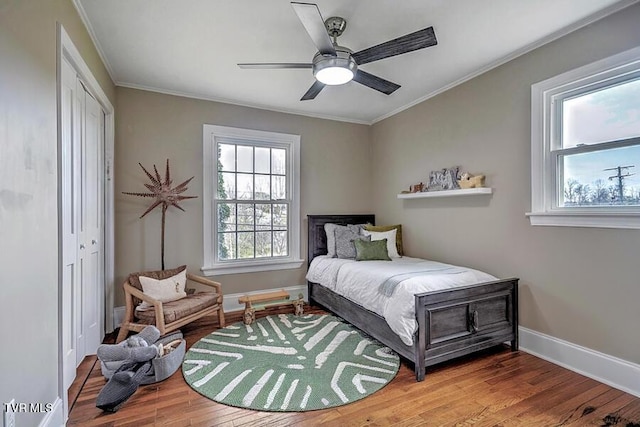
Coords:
pixel 191 47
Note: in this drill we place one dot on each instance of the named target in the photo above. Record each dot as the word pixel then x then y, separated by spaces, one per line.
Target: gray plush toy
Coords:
pixel 144 358
pixel 137 348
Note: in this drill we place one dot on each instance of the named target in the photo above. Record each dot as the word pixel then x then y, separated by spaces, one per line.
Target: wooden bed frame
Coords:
pixel 451 322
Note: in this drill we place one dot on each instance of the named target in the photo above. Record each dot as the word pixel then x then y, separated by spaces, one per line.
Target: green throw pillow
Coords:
pixel 371 251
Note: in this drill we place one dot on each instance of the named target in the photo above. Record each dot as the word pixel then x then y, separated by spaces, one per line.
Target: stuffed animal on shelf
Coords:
pixel 416 188
pixel 469 181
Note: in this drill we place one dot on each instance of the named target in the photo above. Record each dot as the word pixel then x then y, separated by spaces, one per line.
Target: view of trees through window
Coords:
pixel 251 202
pixel 599 193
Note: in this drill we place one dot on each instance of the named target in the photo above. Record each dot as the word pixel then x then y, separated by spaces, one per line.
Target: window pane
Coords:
pixel 226 246
pixel 245 217
pixel 279 217
pixel 245 186
pixel 245 158
pixel 278 161
pixel 278 187
pixel 226 157
pixel 263 244
pixel 263 184
pixel 596 178
pixel 226 186
pixel 280 244
pixel 609 114
pixel 263 217
pixel 245 245
pixel 226 217
pixel 262 160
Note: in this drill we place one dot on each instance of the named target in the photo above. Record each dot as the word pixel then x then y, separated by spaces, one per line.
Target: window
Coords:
pixel 585 146
pixel 251 200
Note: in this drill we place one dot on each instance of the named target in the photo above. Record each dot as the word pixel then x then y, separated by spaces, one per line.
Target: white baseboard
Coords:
pixel 607 369
pixel 55 417
pixel 230 302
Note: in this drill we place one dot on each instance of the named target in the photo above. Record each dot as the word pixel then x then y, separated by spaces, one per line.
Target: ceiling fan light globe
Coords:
pixel 334 70
pixel 334 75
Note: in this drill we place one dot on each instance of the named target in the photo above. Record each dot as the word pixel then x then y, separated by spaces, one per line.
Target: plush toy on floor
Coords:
pixel 144 358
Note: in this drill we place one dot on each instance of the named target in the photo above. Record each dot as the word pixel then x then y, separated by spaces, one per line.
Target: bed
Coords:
pixel 450 323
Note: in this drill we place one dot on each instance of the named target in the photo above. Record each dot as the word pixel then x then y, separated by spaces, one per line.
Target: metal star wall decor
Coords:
pixel 164 195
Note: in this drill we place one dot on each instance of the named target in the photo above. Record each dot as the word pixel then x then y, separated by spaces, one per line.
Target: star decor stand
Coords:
pixel 257 302
pixel 164 196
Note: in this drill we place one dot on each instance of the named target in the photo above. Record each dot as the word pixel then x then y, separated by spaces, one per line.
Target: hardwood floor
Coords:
pixel 495 388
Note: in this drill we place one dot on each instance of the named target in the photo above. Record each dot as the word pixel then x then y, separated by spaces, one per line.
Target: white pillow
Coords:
pixel 165 290
pixel 390 235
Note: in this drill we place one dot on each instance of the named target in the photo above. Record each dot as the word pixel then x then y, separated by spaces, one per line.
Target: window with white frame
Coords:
pixel 251 200
pixel 585 146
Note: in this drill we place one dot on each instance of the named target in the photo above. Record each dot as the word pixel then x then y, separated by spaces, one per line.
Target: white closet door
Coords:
pixel 86 172
pixel 79 187
pixel 81 219
pixel 70 130
pixel 92 255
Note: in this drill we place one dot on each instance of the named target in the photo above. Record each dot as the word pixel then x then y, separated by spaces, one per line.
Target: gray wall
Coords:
pixel 335 160
pixel 28 194
pixel 577 284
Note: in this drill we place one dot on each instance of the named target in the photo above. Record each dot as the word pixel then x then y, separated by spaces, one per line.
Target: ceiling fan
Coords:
pixel 334 64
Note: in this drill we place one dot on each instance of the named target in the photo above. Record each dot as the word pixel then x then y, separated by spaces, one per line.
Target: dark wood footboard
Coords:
pixel 460 321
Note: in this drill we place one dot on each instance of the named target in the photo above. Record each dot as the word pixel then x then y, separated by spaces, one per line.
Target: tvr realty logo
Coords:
pixel 27 407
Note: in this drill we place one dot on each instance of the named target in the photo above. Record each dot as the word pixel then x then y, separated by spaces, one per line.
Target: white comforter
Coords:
pixel 360 281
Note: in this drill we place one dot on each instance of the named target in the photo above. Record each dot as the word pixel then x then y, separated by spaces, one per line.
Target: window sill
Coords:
pixel 252 267
pixel 586 219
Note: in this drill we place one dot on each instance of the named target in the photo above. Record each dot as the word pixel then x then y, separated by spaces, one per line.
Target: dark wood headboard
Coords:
pixel 317 241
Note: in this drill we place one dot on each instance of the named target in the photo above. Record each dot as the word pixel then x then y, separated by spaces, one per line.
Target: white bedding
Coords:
pixel 359 281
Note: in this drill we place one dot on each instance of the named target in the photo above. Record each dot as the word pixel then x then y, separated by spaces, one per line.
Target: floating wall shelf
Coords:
pixel 446 193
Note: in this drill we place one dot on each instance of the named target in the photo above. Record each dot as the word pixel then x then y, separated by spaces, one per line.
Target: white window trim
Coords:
pixel 294 260
pixel 543 209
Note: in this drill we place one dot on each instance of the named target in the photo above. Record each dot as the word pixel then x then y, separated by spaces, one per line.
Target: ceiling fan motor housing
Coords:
pixel 335 26
pixel 342 64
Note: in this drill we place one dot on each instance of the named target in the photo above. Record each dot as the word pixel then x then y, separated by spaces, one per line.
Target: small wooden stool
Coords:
pixel 256 302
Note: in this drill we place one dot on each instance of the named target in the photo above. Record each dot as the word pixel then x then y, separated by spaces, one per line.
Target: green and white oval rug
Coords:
pixel 289 363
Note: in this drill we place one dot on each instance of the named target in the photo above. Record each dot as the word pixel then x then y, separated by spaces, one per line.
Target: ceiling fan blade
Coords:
pixel 274 65
pixel 310 17
pixel 313 91
pixel 375 82
pixel 409 43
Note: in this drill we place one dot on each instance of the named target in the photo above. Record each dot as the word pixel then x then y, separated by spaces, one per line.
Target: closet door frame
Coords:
pixel 67 51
